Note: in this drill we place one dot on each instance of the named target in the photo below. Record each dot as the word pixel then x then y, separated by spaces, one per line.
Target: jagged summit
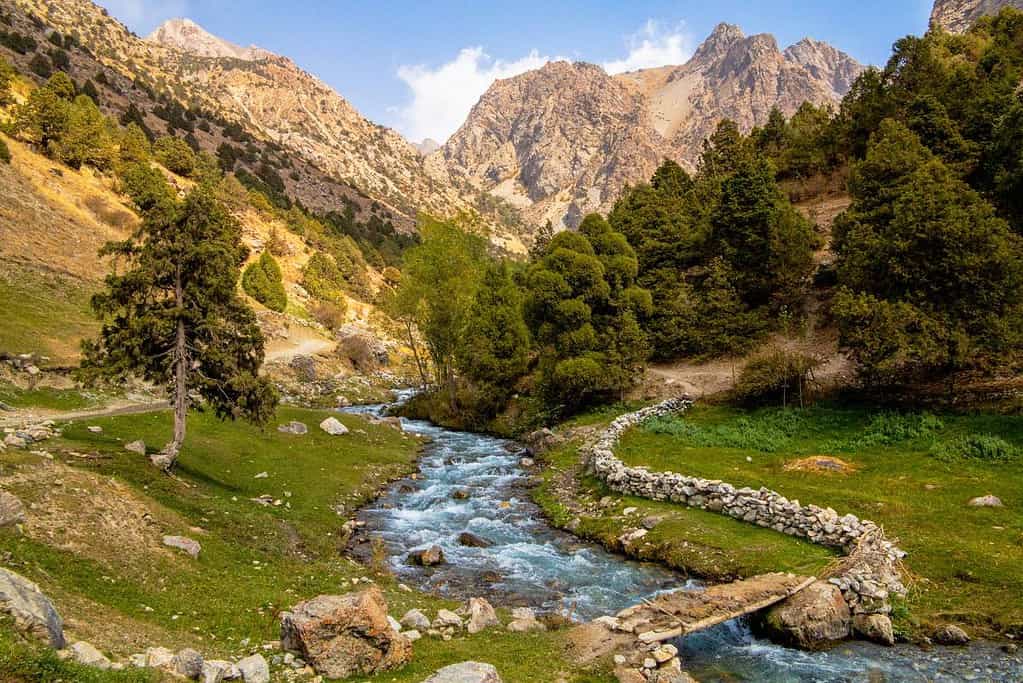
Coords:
pixel 188 36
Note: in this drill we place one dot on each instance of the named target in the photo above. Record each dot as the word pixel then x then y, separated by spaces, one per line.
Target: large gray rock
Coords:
pixel 811 619
pixel 187 663
pixel 32 611
pixel 874 627
pixel 293 427
pixel 216 670
pixel 481 616
pixel 85 654
pixel 416 620
pixel 11 510
pixel 466 672
pixel 254 669
pixel 184 544
pixel 333 427
pixel 345 635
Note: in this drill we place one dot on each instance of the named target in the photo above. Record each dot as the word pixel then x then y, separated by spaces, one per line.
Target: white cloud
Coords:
pixel 142 16
pixel 653 46
pixel 442 96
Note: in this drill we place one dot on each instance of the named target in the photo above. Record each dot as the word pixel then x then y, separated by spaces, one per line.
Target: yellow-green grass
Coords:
pixel 44 313
pixel 256 560
pixel 966 560
pixel 46 397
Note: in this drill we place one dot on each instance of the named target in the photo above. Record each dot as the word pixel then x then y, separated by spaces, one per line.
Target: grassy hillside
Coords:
pixel 97 513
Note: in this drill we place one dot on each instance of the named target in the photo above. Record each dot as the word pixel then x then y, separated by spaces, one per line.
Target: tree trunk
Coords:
pixel 415 353
pixel 166 458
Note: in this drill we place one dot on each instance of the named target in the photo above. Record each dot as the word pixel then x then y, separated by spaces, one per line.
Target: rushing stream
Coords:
pixel 531 563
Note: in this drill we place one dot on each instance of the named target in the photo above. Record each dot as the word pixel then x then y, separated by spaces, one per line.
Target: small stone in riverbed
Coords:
pixel 950 634
pixel 875 627
pixel 471 540
pixel 460 494
pixel 429 557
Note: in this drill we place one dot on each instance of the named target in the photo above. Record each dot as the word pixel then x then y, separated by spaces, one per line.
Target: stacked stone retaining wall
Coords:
pixel 867 576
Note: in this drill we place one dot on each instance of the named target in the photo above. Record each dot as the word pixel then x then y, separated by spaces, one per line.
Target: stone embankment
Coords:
pixel 867 576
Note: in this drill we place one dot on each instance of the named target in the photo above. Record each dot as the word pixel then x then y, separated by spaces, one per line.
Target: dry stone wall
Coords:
pixel 867 576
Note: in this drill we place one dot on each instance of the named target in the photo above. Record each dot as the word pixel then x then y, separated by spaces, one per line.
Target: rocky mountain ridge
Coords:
pixel 957 16
pixel 565 139
pixel 187 36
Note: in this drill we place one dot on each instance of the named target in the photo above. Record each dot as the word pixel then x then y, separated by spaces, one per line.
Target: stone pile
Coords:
pixel 871 572
pixel 27 436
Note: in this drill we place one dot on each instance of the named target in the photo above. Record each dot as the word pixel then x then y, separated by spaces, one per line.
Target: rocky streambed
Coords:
pixel 470 501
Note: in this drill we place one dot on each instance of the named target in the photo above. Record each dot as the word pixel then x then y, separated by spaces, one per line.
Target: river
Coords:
pixel 530 563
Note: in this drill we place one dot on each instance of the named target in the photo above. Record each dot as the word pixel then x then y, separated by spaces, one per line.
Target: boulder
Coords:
pixel 95 429
pixel 412 635
pixel 138 447
pixel 215 671
pixel 460 494
pixel 159 658
pixel 471 540
pixel 12 512
pixel 876 628
pixel 416 620
pixel 254 669
pixel 447 619
pixel 950 634
pixel 542 441
pixel 293 427
pixel 304 367
pixel 184 544
pixel 342 636
pixel 481 616
pixel 187 663
pixel 466 672
pixel 811 619
pixel 987 502
pixel 430 557
pixel 333 427
pixel 526 626
pixel 85 654
pixel 32 611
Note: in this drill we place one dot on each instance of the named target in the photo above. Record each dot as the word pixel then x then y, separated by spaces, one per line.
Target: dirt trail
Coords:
pixel 21 416
pixel 301 341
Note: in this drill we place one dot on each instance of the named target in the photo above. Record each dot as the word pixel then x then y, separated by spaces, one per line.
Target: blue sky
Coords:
pixel 420 66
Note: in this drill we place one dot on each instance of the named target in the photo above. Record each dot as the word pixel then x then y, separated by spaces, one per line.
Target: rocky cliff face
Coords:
pixel 270 97
pixel 957 16
pixel 564 140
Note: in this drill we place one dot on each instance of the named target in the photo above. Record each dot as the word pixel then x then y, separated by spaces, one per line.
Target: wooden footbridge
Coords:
pixel 677 614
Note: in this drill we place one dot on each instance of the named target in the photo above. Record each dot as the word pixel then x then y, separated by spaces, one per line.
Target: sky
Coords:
pixel 419 67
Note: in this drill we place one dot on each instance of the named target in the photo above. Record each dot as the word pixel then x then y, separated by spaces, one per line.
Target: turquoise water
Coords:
pixel 532 564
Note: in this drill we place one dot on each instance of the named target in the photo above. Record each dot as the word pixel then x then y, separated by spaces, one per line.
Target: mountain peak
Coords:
pixel 187 36
pixel 957 16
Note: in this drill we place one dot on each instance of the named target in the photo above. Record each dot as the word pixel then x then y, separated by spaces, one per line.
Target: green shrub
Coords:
pixel 262 281
pixel 5 153
pixel 983 447
pixel 175 155
pixel 780 376
pixel 765 431
pixel 888 429
pixel 323 279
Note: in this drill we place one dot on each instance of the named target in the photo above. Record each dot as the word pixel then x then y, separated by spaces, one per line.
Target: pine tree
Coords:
pixel 262 281
pixel 87 139
pixel 175 319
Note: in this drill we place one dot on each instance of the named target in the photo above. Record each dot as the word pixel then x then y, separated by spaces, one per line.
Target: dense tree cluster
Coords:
pixel 262 281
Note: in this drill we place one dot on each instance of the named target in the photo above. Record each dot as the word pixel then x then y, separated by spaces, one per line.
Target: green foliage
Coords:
pixel 982 447
pixel 41 65
pixel 175 155
pixel 88 139
pixel 45 116
pixel 583 308
pixel 437 289
pixel 148 189
pixel 767 432
pixel 5 152
pixel 932 278
pixel 134 145
pixel 323 280
pixel 262 281
pixel 493 351
pixel 182 280
pixel 6 78
pixel 889 429
pixel 781 376
pixel 17 42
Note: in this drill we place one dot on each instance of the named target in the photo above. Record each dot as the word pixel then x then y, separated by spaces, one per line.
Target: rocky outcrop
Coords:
pixel 957 16
pixel 813 618
pixel 563 140
pixel 466 672
pixel 187 36
pixel 342 636
pixel 32 611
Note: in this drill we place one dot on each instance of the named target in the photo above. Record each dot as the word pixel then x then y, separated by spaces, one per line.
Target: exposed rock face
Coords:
pixel 813 618
pixel 466 672
pixel 341 636
pixel 32 611
pixel 187 36
pixel 957 16
pixel 563 140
